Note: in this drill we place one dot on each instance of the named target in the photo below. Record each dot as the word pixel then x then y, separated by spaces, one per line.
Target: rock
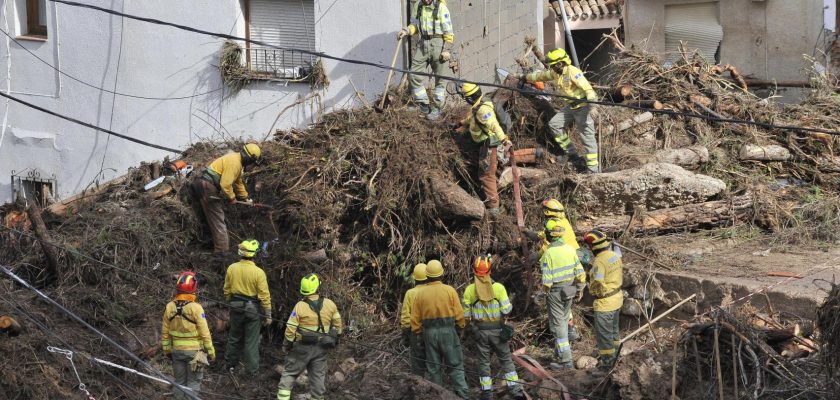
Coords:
pixel 454 203
pixel 770 152
pixel 526 175
pixel 651 187
pixel 631 308
pixel 686 157
pixel 348 365
pixel 586 362
pixel 338 378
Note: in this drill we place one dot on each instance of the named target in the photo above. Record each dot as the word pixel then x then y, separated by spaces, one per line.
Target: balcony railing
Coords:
pixel 280 64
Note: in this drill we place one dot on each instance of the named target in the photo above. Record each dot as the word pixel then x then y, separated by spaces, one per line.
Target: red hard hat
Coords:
pixel 482 264
pixel 186 282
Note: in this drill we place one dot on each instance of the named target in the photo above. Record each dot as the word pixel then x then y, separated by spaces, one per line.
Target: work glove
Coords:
pixel 579 296
pixel 267 321
pixel 403 33
pixel 445 56
pixel 199 361
pixel 531 235
pixel 406 337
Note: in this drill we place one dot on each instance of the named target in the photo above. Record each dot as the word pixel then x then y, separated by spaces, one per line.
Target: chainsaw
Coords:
pixel 528 87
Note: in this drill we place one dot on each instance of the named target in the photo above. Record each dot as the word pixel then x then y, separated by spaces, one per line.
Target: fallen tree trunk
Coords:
pixel 61 208
pixel 45 240
pixel 685 157
pixel 690 217
pixel 526 175
pixel 770 152
pixel 630 122
pixel 654 104
pixel 455 203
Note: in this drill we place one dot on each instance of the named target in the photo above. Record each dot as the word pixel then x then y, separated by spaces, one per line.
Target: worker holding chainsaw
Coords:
pixel 432 21
pixel 605 280
pixel 221 182
pixel 485 130
pixel 571 84
pixel 185 337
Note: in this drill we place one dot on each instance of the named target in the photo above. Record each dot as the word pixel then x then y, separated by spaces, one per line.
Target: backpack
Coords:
pixel 502 116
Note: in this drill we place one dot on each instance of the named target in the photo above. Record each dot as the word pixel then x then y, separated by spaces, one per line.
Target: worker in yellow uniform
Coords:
pixel 437 315
pixel 563 280
pixel 571 83
pixel 221 182
pixel 415 342
pixel 246 290
pixel 486 304
pixel 186 337
pixel 430 20
pixel 605 279
pixel 486 131
pixel 312 330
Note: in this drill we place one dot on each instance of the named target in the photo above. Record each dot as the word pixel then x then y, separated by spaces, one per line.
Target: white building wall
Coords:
pixel 158 61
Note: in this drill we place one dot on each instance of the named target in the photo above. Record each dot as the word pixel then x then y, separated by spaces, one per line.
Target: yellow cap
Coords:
pixel 419 272
pixel 434 269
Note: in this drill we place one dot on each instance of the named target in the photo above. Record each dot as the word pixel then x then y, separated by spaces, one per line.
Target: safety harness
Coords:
pixel 502 116
pixel 179 311
pixel 320 336
pixel 435 13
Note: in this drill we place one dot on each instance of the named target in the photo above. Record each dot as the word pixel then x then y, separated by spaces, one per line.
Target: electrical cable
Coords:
pixel 114 92
pixel 448 78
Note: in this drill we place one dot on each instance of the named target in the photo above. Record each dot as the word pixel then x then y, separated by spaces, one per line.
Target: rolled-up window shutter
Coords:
pixel 695 24
pixel 285 23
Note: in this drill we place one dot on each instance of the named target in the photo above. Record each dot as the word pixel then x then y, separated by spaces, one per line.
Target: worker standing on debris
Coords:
pixel 436 314
pixel 432 21
pixel 246 289
pixel 485 130
pixel 486 304
pixel 186 337
pixel 312 330
pixel 415 342
pixel 605 279
pixel 222 182
pixel 570 83
pixel 563 280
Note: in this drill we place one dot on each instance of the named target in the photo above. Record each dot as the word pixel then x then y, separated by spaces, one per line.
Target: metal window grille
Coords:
pixel 28 185
pixel 286 23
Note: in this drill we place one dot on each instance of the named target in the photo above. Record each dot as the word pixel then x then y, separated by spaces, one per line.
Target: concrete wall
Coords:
pixel 141 59
pixel 763 39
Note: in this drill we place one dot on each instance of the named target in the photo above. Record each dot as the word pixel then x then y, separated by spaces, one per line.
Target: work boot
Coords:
pixel 519 396
pixel 423 108
pixel 562 366
pixel 493 212
pixel 573 334
pixel 486 395
pixel 434 114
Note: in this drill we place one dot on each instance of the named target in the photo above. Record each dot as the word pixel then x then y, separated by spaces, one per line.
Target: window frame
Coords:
pixel 258 74
pixel 33 26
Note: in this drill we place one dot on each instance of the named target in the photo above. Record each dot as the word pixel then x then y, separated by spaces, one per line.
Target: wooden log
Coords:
pixel 315 256
pixel 776 335
pixel 686 156
pixel 527 175
pixel 621 92
pixel 60 209
pixel 155 170
pixel 44 238
pixel 654 104
pixel 770 152
pixel 630 122
pixel 689 217
pixel 454 203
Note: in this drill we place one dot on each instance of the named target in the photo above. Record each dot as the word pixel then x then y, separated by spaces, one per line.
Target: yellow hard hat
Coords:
pixel 434 269
pixel 557 55
pixel 419 273
pixel 554 229
pixel 596 240
pixel 309 284
pixel 469 89
pixel 248 248
pixel 252 151
pixel 553 208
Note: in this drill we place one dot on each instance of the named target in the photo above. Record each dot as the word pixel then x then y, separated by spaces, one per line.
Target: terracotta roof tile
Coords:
pixel 591 9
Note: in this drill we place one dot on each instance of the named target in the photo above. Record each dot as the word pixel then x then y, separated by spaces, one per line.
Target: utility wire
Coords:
pixel 457 80
pixel 114 92
pixel 7 271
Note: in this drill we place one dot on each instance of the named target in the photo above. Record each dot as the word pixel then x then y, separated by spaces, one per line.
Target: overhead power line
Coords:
pixel 401 70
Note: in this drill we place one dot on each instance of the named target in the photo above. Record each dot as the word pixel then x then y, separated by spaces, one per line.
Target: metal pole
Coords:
pixel 569 39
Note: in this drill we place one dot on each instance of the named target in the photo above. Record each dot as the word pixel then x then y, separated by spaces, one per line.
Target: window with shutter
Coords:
pixel 696 24
pixel 286 23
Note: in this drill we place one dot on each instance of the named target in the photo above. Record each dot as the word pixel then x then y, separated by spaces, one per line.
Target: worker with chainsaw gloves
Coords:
pixel 246 289
pixel 571 83
pixel 436 314
pixel 221 182
pixel 485 130
pixel 431 20
pixel 605 280
pixel 563 279
pixel 415 341
pixel 312 330
pixel 185 336
pixel 485 305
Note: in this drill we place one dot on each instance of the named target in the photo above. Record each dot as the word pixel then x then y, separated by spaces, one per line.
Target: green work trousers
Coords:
pixel 443 347
pixel 184 376
pixel 311 358
pixel 560 299
pixel 209 210
pixel 418 354
pixel 427 54
pixel 244 336
pixel 585 126
pixel 606 336
pixel 489 343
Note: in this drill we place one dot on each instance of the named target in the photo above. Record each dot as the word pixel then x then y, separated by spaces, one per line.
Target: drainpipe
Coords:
pixel 568 34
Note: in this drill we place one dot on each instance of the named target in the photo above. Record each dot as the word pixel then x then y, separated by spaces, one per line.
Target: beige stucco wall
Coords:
pixel 763 39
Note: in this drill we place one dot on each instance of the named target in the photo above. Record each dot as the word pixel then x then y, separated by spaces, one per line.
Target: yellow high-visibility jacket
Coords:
pixel 303 319
pixel 486 311
pixel 423 21
pixel 560 266
pixel 605 280
pixel 408 302
pixel 187 330
pixel 484 125
pixel 570 83
pixel 436 302
pixel 228 168
pixel 247 279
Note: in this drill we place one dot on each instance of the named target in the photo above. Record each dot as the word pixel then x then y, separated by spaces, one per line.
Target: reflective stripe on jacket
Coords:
pixel 560 265
pixel 570 83
pixel 303 319
pixel 408 302
pixel 179 333
pixel 247 279
pixel 484 125
pixel 486 311
pixel 605 277
pixel 436 302
pixel 424 20
pixel 229 169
